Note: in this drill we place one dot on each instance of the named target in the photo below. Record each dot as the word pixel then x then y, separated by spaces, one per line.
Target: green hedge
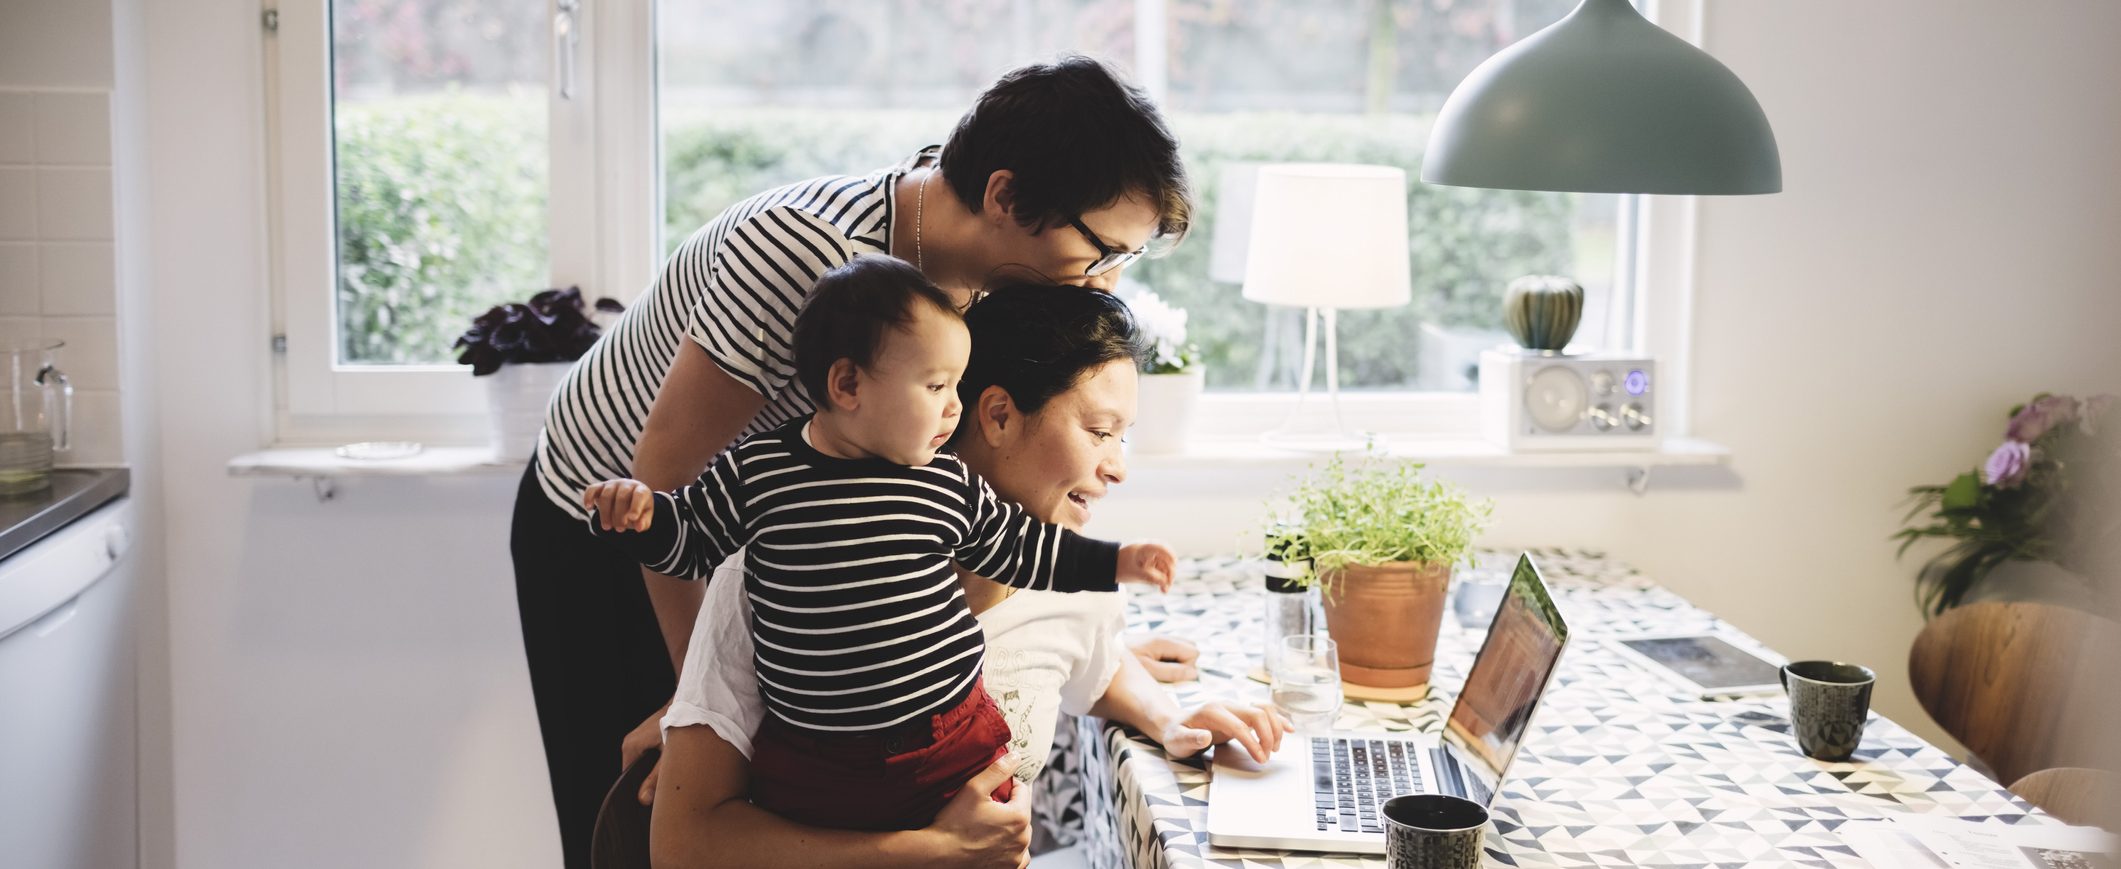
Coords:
pixel 442 208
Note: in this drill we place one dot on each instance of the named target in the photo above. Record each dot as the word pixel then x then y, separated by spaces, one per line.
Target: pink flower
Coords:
pixel 2006 466
pixel 2042 414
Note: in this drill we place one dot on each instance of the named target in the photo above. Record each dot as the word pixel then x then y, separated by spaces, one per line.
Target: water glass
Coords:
pixel 1306 681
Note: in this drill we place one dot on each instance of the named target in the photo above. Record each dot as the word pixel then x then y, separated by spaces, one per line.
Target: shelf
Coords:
pixel 322 462
pixel 1441 453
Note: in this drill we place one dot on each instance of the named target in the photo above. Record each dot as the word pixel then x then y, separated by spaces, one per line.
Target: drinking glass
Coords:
pixel 1306 681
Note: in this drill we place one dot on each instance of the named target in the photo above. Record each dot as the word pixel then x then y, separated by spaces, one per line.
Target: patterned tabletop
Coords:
pixel 1619 769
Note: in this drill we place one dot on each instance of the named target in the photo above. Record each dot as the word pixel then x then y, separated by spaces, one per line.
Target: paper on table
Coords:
pixel 1887 845
pixel 1965 845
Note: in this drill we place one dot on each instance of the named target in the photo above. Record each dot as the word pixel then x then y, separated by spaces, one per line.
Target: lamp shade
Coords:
pixel 1329 236
pixel 1233 222
pixel 1603 101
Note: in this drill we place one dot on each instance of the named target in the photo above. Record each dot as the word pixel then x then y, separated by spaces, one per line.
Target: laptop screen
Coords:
pixel 1518 657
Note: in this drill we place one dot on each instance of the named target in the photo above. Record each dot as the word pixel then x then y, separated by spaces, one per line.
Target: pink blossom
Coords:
pixel 2007 465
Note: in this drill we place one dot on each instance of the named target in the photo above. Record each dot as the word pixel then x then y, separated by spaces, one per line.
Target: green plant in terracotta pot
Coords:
pixel 1380 541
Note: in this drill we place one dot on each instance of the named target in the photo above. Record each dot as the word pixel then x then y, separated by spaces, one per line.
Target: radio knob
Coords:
pixel 1602 383
pixel 1634 417
pixel 1602 417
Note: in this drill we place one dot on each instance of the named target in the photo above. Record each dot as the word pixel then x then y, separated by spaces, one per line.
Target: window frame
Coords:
pixel 605 213
pixel 601 220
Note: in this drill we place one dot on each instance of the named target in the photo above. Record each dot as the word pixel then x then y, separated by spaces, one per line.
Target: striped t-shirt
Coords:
pixel 734 288
pixel 858 621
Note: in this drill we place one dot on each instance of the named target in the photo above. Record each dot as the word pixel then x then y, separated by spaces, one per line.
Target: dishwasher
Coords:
pixel 68 740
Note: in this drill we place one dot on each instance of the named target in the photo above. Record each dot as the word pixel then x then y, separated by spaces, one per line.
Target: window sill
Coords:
pixel 1222 454
pixel 1437 452
pixel 323 463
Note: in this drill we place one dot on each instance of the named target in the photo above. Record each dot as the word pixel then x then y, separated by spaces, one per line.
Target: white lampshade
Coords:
pixel 1329 236
pixel 1233 222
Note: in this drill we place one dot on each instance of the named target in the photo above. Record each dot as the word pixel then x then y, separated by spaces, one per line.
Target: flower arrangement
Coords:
pixel 553 326
pixel 2036 498
pixel 1164 327
pixel 1376 512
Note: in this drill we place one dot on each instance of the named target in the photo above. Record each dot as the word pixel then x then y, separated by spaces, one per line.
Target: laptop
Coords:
pixel 1326 791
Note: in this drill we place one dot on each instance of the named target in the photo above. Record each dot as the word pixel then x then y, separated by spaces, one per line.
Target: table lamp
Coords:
pixel 1327 237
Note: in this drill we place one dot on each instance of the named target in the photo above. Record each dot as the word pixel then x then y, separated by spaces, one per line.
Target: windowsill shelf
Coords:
pixel 322 462
pixel 1438 452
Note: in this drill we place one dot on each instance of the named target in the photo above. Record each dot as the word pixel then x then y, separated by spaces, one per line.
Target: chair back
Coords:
pixel 2073 793
pixel 621 837
pixel 2016 683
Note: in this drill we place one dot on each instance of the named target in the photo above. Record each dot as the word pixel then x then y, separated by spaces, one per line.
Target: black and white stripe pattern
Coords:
pixel 857 616
pixel 734 288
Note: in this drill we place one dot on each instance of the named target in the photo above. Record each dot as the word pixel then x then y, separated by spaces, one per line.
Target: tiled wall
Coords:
pixel 57 274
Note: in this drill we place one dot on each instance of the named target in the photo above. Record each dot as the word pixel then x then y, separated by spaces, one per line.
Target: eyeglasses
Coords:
pixel 1107 258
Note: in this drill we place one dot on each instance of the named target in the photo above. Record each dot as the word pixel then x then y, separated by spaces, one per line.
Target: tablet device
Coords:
pixel 1709 665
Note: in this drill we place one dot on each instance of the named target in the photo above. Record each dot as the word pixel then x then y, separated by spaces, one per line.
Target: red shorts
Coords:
pixel 896 779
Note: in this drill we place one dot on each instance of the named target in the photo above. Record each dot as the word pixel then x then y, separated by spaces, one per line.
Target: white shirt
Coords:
pixel 1047 652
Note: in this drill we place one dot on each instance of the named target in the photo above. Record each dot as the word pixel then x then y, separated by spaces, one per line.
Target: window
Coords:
pixel 430 162
pixel 432 158
pixel 753 95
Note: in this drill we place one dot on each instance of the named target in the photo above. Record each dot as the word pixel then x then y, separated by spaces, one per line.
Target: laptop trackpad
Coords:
pixel 1233 757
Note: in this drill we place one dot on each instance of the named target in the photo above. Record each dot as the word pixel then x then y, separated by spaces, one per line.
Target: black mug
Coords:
pixel 1433 831
pixel 1829 702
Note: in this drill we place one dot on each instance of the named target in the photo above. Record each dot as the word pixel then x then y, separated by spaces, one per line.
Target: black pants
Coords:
pixel 598 666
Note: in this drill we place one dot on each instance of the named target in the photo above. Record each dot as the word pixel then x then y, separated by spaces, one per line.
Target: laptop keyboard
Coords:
pixel 1354 778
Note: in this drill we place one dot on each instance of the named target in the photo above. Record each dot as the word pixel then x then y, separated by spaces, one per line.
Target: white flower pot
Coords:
pixel 1166 418
pixel 516 396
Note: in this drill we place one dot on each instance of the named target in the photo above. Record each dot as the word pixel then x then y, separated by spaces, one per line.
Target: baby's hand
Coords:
pixel 621 505
pixel 1147 564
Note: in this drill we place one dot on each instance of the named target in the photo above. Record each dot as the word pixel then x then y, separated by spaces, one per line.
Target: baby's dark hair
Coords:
pixel 1038 340
pixel 849 311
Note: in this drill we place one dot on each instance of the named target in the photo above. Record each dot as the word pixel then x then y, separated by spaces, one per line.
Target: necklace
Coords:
pixel 920 208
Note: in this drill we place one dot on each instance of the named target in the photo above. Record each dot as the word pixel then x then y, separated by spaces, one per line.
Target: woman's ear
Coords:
pixel 842 384
pixel 998 202
pixel 997 418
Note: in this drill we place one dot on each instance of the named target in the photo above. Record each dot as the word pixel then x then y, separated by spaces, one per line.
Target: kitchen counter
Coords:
pixel 25 519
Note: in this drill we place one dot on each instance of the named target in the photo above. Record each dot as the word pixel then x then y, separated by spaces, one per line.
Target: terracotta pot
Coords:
pixel 1385 617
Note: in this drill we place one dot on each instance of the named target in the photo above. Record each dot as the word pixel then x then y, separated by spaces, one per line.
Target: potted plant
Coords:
pixel 2038 498
pixel 1172 378
pixel 521 351
pixel 1380 541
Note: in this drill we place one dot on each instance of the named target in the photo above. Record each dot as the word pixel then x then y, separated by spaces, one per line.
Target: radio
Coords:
pixel 1534 401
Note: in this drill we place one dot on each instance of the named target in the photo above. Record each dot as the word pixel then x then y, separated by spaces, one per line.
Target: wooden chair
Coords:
pixel 621 837
pixel 2019 684
pixel 2073 793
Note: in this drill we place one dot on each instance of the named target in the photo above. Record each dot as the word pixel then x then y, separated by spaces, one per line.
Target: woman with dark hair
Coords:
pixel 1048 393
pixel 1059 169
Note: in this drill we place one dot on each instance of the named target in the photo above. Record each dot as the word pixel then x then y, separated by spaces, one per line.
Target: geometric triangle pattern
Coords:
pixel 1619 769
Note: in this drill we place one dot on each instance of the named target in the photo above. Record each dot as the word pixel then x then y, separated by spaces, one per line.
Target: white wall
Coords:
pixel 57 262
pixel 346 676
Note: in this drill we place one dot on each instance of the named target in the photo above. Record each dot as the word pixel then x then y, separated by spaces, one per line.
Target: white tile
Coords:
pixel 90 357
pixel 95 430
pixel 73 128
pixel 18 268
pixel 78 278
pixel 18 123
pixel 74 204
pixel 18 203
pixel 20 330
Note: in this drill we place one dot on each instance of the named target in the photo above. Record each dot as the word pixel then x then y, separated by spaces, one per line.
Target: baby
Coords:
pixel 851 520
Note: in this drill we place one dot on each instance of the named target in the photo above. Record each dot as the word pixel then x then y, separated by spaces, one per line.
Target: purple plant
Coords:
pixel 553 326
pixel 2038 497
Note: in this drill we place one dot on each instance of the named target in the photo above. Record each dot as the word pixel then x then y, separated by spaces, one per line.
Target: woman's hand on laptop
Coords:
pixel 1258 728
